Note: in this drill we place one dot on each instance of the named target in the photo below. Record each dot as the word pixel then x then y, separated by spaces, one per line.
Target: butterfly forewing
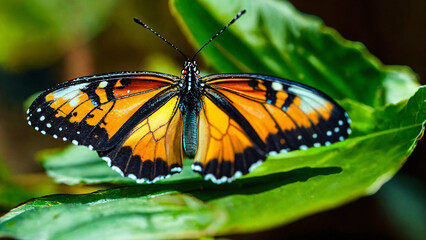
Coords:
pixel 274 114
pixel 96 111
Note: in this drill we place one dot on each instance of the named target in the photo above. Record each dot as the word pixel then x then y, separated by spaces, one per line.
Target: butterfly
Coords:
pixel 143 124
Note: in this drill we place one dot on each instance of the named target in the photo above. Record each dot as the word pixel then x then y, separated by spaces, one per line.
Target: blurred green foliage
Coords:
pixel 47 29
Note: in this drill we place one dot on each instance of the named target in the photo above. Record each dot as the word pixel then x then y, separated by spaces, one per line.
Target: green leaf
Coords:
pixel 274 38
pixel 48 30
pixel 283 189
pixel 75 165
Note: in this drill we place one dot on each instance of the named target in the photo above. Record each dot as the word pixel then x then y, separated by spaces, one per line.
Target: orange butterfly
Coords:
pixel 143 123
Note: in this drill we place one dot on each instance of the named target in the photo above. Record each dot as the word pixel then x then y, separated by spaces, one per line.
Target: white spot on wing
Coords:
pixel 237 174
pixel 142 180
pixel 272 153
pixel 74 102
pixel 132 176
pixel 214 180
pixel 283 151
pixel 211 177
pixel 42 118
pixel 158 178
pixel 255 165
pixel 176 169
pixel 108 160
pixel 117 169
pixel 303 147
pixel 277 86
pixel 196 168
pixel 103 84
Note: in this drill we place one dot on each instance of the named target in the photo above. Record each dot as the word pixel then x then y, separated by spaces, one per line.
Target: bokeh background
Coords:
pixel 43 43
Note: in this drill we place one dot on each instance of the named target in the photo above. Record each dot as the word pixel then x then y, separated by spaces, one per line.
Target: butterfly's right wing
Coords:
pixel 246 117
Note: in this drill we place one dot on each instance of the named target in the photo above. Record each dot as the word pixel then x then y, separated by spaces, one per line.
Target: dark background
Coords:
pixel 393 31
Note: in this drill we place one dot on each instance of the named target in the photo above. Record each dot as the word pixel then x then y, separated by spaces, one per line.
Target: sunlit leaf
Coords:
pixel 283 189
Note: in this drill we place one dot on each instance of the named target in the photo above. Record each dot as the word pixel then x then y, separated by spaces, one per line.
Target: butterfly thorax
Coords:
pixel 190 106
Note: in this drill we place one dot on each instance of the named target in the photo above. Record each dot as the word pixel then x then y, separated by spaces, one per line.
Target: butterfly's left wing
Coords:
pixel 245 117
pixel 130 118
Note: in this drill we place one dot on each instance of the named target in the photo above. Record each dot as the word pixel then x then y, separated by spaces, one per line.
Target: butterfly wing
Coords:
pixel 105 113
pixel 248 116
pixel 153 149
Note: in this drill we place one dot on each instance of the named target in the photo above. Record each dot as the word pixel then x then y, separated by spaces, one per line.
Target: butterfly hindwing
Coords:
pixel 153 149
pixel 271 115
pixel 98 111
pixel 227 146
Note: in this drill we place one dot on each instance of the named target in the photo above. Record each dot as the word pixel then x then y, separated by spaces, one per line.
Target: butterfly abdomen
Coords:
pixel 190 133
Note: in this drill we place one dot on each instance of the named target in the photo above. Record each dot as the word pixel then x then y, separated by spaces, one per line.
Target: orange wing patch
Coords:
pixel 153 149
pixel 224 149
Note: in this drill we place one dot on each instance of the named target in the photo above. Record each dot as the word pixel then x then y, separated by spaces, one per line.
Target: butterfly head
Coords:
pixel 190 69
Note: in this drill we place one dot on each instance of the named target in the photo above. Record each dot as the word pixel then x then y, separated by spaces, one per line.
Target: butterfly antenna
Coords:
pixel 223 29
pixel 158 35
